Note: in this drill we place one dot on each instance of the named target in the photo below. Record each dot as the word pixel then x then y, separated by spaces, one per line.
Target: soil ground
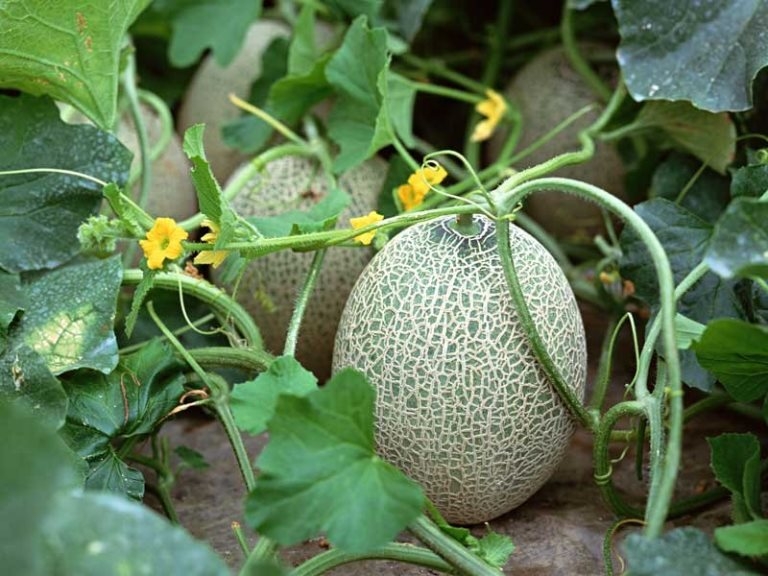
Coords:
pixel 559 531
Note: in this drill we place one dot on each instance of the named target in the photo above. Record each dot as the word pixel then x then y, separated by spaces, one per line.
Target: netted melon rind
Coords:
pixel 546 91
pixel 462 405
pixel 298 183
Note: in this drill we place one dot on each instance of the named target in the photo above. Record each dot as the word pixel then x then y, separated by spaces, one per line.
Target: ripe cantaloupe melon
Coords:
pixel 207 97
pixel 269 286
pixel 547 90
pixel 462 405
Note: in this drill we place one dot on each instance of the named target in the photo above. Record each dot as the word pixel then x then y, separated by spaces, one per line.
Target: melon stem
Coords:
pixel 466 225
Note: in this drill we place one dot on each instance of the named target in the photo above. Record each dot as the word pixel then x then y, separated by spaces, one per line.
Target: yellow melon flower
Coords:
pixel 412 194
pixel 212 257
pixel 493 108
pixel 361 221
pixel 163 242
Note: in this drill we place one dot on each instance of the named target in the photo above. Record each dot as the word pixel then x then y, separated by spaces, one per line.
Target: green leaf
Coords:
pixel 12 304
pixel 91 534
pixel 322 216
pixel 218 24
pixel 109 473
pixel 131 401
pixel 409 15
pixel 687 331
pixel 208 189
pixel 679 552
pixel 319 472
pixel 26 380
pixel 708 55
pixel 750 181
pixel 191 458
pixel 71 324
pixel 249 133
pixel 294 95
pixel 710 137
pixel 495 549
pixel 34 464
pixel 739 245
pixel 70 50
pixel 354 8
pixel 41 212
pixel 354 72
pixel 253 402
pixel 685 238
pixel 737 353
pixel 736 464
pixel 399 97
pixel 748 539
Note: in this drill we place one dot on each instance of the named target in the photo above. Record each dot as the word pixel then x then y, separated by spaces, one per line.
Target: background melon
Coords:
pixel 462 405
pixel 269 285
pixel 207 97
pixel 172 192
pixel 547 90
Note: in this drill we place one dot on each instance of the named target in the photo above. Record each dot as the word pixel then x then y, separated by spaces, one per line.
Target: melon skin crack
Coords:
pixel 462 405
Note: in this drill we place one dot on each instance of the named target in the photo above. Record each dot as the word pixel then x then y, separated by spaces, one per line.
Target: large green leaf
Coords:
pixel 705 52
pixel 319 472
pixel 40 212
pixel 739 245
pixel 750 181
pixel 218 24
pixel 679 552
pixel 68 49
pixel 354 72
pixel 130 401
pixel 70 322
pixel 50 527
pixel 685 237
pixel 253 402
pixel 737 353
pixel 33 463
pixel 93 534
pixel 25 379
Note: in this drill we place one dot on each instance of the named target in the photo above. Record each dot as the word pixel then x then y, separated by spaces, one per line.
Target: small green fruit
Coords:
pixel 462 405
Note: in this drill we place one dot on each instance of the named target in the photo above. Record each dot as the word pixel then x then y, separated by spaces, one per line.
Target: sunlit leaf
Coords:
pixel 68 49
pixel 253 402
pixel 319 472
pixel 748 539
pixel 71 324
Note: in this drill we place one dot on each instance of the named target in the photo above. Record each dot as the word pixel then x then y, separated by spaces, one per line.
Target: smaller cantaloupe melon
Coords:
pixel 462 405
pixel 269 285
pixel 547 90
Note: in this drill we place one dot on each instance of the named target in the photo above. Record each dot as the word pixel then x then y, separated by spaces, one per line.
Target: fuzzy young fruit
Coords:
pixel 462 405
pixel 269 285
pixel 547 90
pixel 207 98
